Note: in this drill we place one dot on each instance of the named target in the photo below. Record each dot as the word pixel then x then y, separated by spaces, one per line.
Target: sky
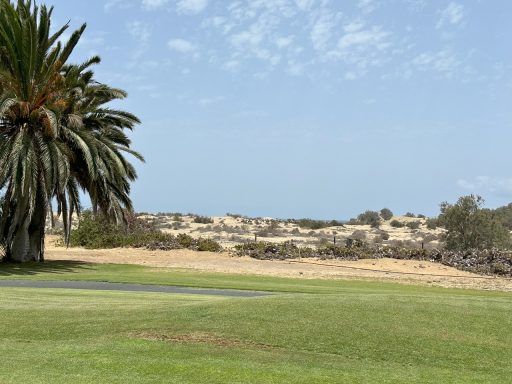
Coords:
pixel 308 108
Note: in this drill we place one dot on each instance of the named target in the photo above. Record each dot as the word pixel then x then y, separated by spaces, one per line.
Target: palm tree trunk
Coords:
pixel 27 242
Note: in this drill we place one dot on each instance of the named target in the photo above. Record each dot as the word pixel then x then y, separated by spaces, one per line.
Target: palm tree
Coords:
pixel 56 133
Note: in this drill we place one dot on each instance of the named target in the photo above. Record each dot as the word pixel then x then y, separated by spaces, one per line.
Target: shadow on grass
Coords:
pixel 30 269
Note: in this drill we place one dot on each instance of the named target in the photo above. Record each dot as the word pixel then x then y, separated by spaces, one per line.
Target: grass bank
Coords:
pixel 317 332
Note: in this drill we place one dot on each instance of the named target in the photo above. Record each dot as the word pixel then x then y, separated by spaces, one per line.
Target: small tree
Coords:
pixel 369 218
pixel 386 214
pixel 505 215
pixel 468 226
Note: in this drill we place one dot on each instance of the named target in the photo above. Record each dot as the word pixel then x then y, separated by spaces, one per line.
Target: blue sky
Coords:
pixel 309 108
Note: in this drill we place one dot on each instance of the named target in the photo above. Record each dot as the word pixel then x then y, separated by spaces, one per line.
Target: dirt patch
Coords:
pixel 198 338
pixel 426 273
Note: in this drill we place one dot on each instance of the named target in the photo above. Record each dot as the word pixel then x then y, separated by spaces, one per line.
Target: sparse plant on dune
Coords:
pixel 203 220
pixel 396 224
pixel 386 214
pixel 413 224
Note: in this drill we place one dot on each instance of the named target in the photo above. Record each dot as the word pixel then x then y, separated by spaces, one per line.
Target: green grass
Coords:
pixel 320 331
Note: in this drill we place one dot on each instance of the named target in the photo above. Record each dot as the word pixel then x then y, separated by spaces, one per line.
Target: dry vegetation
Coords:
pixel 234 229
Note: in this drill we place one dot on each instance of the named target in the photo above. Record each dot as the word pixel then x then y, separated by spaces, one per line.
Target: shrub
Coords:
pixel 95 232
pixel 431 223
pixel 468 226
pixel 386 214
pixel 315 224
pixel 428 237
pixel 397 224
pixel 479 261
pixel 207 245
pixel 384 235
pixel 203 220
pixel 358 235
pixel 504 214
pixel 413 224
pixel 269 251
pixel 369 218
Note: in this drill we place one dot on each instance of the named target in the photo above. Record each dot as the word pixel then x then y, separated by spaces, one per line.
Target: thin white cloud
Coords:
pixel 206 101
pixel 322 31
pixel 191 6
pixel 252 36
pixel 257 38
pixel 283 42
pixel 305 5
pixel 362 50
pixel 214 22
pixel 231 65
pixel 453 14
pixel 139 31
pixel 416 5
pixel 443 61
pixel 295 68
pixel 368 6
pixel 181 46
pixel 489 184
pixel 122 4
pixel 374 37
pixel 354 26
pixel 153 4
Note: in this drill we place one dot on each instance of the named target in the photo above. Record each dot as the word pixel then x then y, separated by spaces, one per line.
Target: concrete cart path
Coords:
pixel 104 286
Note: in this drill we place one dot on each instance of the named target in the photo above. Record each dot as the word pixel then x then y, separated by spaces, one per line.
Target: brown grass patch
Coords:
pixel 199 338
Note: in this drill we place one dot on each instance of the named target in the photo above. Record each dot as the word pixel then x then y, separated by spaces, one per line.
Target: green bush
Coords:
pixel 315 224
pixel 95 232
pixel 177 218
pixel 271 229
pixel 469 226
pixel 386 214
pixel 371 218
pixel 397 224
pixel 269 251
pixel 207 245
pixel 413 224
pixel 383 235
pixel 203 220
pixel 504 214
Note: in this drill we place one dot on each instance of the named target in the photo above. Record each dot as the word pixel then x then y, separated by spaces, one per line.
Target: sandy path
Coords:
pixel 224 262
